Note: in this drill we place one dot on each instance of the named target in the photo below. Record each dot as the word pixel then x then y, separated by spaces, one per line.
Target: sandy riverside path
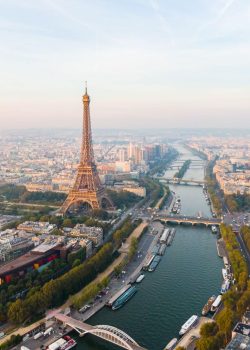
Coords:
pixel 24 330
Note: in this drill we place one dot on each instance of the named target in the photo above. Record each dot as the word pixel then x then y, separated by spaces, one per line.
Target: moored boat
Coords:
pixel 162 249
pixel 224 274
pixel 171 344
pixel 148 261
pixel 188 324
pixel 165 235
pixel 154 263
pixel 214 229
pixel 216 303
pixel 225 286
pixel 171 237
pixel 208 305
pixel 124 298
pixel 140 278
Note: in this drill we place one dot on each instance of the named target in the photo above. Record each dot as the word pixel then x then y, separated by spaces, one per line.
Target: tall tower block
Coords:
pixel 87 190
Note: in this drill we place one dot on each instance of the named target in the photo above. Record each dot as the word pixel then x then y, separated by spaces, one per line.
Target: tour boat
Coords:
pixel 208 305
pixel 188 324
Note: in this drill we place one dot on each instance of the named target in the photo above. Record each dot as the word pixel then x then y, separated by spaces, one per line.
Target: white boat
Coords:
pixel 24 348
pixel 140 278
pixel 188 324
pixel 165 235
pixel 214 229
pixel 171 344
pixel 224 274
pixel 216 303
pixel 225 286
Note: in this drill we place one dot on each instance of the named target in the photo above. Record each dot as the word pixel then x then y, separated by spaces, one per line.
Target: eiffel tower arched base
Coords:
pixel 95 200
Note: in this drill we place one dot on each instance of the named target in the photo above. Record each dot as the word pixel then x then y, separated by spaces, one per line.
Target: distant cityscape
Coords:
pixel 148 178
pixel 49 164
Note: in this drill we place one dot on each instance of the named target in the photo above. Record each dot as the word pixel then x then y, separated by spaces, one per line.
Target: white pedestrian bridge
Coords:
pixel 108 333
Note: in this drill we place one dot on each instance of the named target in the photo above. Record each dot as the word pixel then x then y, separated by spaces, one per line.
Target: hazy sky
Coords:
pixel 148 63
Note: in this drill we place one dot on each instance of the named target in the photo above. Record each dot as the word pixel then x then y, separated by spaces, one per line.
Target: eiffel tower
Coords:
pixel 87 191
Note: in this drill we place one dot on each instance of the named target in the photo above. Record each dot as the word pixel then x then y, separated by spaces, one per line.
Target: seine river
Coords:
pixel 188 274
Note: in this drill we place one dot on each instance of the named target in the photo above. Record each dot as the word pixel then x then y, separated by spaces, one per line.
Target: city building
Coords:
pixel 130 186
pixel 32 260
pixel 239 342
pixel 240 337
pixel 37 227
pixel 94 234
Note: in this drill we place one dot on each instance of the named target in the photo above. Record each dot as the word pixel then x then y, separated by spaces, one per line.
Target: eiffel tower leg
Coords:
pixel 66 205
pixel 106 203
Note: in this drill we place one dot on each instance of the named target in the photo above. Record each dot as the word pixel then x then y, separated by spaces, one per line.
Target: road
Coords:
pixel 236 220
pixel 243 249
pixel 22 204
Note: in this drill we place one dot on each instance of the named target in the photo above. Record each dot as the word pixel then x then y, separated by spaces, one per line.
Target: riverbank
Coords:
pixel 189 339
pixel 131 270
pixel 115 284
pixel 189 272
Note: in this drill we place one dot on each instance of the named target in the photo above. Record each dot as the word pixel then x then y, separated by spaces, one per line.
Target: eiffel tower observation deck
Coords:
pixel 87 192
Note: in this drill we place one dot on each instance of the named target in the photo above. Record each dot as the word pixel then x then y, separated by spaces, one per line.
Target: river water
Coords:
pixel 188 274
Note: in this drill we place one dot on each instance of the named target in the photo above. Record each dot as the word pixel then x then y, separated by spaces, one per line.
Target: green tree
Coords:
pixel 225 321
pixel 3 316
pixel 76 262
pixel 209 329
pixel 57 232
pixel 244 302
pixel 208 343
pixel 18 312
pixel 67 223
pixel 44 218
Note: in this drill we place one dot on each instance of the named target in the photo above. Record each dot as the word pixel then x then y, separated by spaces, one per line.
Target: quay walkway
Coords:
pixel 108 333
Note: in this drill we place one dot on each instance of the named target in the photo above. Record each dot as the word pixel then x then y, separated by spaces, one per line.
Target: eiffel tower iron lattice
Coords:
pixel 87 189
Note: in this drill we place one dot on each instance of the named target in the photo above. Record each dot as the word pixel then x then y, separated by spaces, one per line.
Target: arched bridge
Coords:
pixel 175 180
pixel 108 333
pixel 179 219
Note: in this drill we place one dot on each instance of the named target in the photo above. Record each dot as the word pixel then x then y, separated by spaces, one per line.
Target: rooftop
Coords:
pixel 242 328
pixel 45 247
pixel 26 259
pixel 239 342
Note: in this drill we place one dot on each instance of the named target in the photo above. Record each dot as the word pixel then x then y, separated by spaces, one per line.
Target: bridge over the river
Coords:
pixel 175 180
pixel 108 333
pixel 179 219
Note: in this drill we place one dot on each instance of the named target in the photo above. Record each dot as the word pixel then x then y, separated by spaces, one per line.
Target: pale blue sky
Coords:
pixel 149 63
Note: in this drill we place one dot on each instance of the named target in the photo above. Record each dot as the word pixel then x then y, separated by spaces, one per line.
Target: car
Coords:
pixel 84 308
